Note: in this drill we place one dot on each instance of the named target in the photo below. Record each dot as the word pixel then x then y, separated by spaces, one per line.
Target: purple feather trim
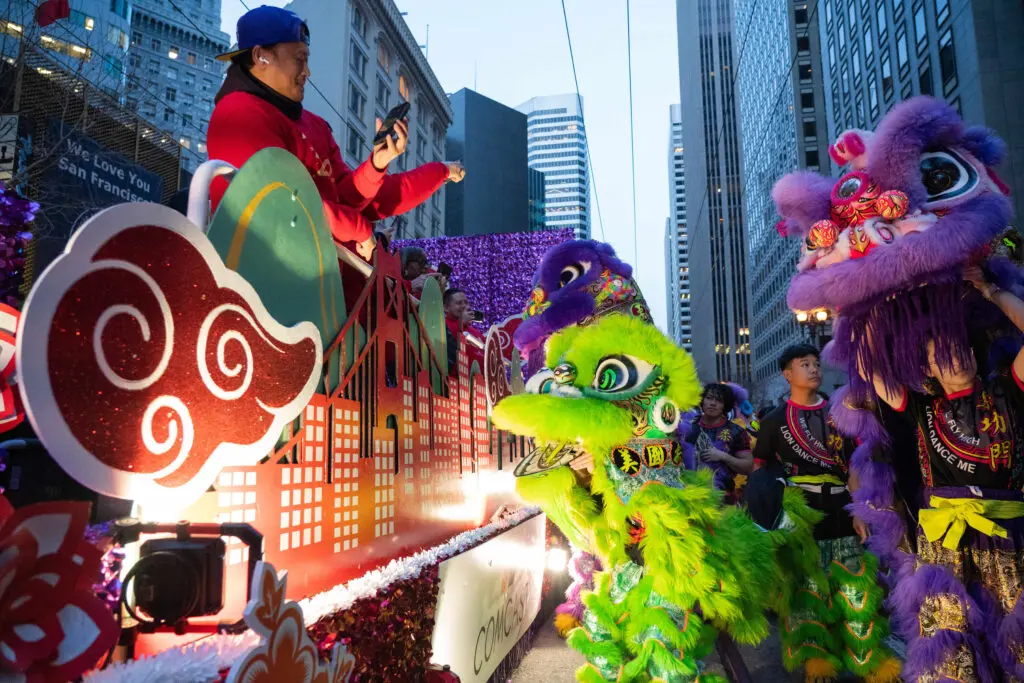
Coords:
pixel 925 654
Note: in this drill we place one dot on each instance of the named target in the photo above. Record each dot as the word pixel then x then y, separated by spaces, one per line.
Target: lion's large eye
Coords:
pixel 573 272
pixel 946 175
pixel 618 374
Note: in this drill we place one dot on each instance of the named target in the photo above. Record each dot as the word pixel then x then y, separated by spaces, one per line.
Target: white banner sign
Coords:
pixel 487 600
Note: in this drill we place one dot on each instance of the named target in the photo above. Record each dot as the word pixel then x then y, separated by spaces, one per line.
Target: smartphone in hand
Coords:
pixel 387 126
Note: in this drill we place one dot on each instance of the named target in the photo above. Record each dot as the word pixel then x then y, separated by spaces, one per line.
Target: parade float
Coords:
pixel 309 492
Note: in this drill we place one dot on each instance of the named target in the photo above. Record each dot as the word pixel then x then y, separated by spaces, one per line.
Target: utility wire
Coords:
pixel 586 138
pixel 632 142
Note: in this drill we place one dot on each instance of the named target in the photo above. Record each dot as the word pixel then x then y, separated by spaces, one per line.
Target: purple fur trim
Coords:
pixel 569 303
pixel 924 654
pixel 1010 638
pixel 571 308
pixel 903 264
pixel 802 198
pixel 910 128
pixel 902 328
pixel 874 501
pixel 738 392
pixel 984 144
pixel 858 424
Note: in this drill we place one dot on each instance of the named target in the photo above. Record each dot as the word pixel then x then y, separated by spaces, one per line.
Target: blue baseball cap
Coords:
pixel 267 25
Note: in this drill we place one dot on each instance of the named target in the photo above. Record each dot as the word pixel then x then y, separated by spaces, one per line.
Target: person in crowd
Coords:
pixel 414 263
pixel 800 442
pixel 718 443
pixel 457 319
pixel 259 105
pixel 961 606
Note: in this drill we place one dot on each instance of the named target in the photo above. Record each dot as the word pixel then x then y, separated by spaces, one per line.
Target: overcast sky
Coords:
pixel 518 50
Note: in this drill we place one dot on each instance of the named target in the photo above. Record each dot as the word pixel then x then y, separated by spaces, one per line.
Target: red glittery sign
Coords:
pixel 147 366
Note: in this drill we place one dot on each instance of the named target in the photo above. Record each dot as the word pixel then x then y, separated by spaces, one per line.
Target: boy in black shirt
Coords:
pixel 833 622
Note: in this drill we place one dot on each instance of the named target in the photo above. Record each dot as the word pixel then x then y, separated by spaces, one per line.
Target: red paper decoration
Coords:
pixel 52 628
pixel 148 366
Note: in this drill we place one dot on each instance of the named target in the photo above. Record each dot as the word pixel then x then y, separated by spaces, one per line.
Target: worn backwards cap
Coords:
pixel 267 25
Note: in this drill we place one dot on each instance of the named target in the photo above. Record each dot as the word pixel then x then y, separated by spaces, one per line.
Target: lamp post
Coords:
pixel 813 321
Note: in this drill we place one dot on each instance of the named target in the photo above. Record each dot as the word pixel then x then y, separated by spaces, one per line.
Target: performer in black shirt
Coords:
pixel 801 441
pixel 970 534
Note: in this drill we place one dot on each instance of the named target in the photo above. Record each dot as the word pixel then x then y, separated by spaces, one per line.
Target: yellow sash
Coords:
pixel 952 516
pixel 817 479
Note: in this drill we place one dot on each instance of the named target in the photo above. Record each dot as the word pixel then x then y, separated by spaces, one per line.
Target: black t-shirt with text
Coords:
pixel 804 440
pixel 971 438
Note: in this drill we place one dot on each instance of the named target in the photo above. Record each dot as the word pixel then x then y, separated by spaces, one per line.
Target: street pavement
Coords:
pixel 552 661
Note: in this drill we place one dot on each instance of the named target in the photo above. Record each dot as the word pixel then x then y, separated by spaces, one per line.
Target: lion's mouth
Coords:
pixel 827 246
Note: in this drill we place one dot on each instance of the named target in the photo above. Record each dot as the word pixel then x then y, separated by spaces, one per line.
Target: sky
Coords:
pixel 517 50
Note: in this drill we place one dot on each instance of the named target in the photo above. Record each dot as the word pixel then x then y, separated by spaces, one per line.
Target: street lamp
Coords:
pixel 813 321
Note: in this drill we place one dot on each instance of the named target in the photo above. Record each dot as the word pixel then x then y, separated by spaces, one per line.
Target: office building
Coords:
pixel 91 43
pixel 968 52
pixel 490 139
pixel 714 202
pixel 535 198
pixel 557 146
pixel 782 112
pixel 671 283
pixel 677 270
pixel 173 74
pixel 365 60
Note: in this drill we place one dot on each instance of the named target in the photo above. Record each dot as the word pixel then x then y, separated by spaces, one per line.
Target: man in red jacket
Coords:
pixel 260 105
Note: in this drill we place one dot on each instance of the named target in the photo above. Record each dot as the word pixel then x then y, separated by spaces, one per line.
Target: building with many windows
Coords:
pixel 173 72
pixel 91 43
pixel 671 283
pixel 677 263
pixel 782 128
pixel 490 139
pixel 714 199
pixel 535 199
pixel 557 146
pixel 968 52
pixel 364 60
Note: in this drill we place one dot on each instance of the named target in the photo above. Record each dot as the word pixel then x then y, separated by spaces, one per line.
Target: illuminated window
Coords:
pixel 403 87
pixel 384 58
pixel 173 52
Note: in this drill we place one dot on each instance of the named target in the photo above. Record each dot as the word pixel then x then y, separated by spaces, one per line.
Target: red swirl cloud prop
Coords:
pixel 146 365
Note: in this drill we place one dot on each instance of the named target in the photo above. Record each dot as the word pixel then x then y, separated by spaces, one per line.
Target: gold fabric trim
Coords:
pixel 958 666
pixel 1002 573
pixel 942 612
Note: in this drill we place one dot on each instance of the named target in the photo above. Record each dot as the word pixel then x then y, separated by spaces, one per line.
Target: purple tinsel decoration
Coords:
pixel 495 271
pixel 107 586
pixel 15 214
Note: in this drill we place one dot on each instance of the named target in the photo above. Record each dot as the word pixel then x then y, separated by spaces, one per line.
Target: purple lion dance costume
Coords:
pixel 884 247
pixel 582 567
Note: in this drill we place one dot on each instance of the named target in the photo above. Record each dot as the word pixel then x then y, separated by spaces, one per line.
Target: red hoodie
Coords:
pixel 249 117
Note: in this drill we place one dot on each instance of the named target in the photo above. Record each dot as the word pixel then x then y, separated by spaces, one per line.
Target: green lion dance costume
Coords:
pixel 680 564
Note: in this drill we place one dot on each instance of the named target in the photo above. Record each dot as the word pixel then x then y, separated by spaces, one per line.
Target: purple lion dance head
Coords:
pixel 575 282
pixel 918 200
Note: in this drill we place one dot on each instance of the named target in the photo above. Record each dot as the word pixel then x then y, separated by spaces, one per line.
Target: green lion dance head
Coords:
pixel 614 391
